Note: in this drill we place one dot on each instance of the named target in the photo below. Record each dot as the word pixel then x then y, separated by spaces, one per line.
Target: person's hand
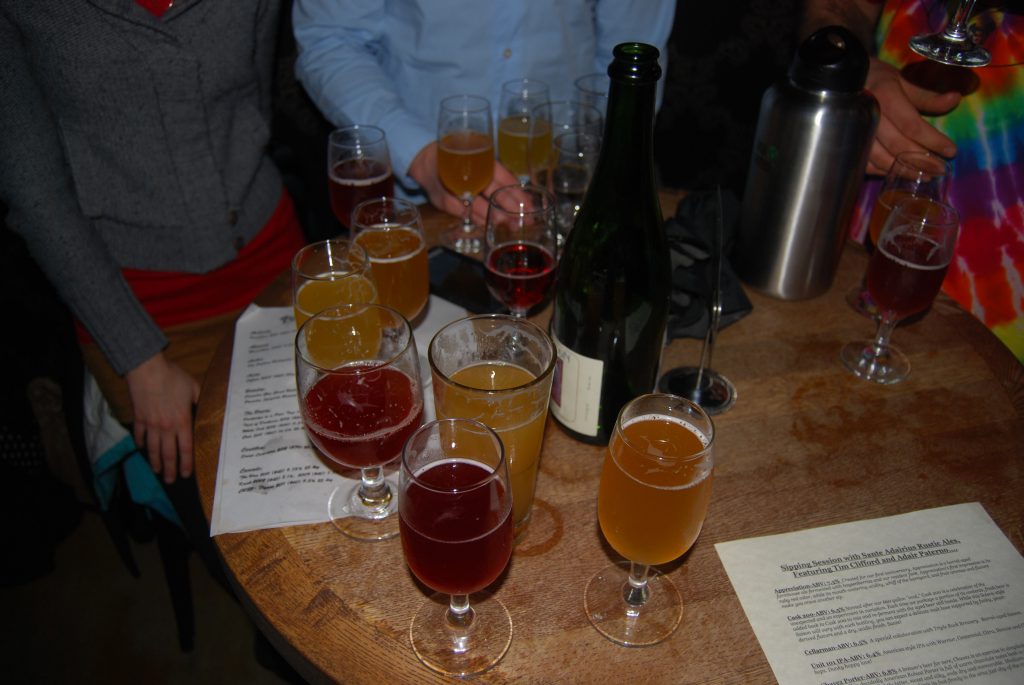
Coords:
pixel 901 126
pixel 424 171
pixel 162 396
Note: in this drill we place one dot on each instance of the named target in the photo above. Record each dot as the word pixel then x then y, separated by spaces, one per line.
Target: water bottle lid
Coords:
pixel 830 59
pixel 636 63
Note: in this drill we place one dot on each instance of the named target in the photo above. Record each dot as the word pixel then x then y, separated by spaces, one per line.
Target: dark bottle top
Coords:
pixel 614 279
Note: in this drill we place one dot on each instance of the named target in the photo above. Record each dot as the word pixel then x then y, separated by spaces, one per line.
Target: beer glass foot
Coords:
pixel 876 363
pixel 627 624
pixel 360 520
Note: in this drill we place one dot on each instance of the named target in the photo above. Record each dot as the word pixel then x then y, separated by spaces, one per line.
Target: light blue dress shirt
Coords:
pixel 389 63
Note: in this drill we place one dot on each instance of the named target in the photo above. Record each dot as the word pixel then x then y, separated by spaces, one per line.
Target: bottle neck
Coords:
pixel 628 146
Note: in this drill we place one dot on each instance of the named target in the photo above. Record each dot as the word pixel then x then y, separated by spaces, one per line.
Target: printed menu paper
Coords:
pixel 268 474
pixel 934 596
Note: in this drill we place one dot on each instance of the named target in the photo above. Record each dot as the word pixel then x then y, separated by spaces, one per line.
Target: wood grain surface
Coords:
pixel 807 444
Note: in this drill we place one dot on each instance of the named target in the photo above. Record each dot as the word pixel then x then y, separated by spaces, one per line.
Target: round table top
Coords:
pixel 806 444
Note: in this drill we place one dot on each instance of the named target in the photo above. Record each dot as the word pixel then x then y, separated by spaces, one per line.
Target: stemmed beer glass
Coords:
pixel 652 499
pixel 358 168
pixel 904 276
pixel 520 246
pixel 361 397
pixel 913 174
pixel 465 161
pixel 329 273
pixel 520 142
pixel 455 512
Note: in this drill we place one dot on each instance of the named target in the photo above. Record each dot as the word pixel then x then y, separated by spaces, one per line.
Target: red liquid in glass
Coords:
pixel 519 274
pixel 355 180
pixel 362 419
pixel 905 273
pixel 456 543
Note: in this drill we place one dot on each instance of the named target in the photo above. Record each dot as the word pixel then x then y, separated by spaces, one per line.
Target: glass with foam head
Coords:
pixel 329 273
pixel 652 499
pixel 391 232
pixel 497 369
pixel 360 396
pixel 455 512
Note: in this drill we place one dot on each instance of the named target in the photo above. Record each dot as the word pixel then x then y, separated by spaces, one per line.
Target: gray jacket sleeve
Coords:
pixel 38 189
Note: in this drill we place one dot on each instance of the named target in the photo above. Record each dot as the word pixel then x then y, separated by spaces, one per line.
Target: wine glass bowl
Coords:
pixel 360 398
pixel 358 168
pixel 455 513
pixel 904 275
pixel 954 45
pixel 573 160
pixel 465 161
pixel 519 140
pixel 329 273
pixel 391 232
pixel 520 246
pixel 652 500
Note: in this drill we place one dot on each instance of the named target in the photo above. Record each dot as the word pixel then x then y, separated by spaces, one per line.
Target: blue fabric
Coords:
pixel 143 486
pixel 391 63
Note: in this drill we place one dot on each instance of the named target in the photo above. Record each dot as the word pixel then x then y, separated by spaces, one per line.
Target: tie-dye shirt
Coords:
pixel 987 274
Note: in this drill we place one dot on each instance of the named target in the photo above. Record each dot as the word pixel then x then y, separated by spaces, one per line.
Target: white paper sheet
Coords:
pixel 933 596
pixel 268 475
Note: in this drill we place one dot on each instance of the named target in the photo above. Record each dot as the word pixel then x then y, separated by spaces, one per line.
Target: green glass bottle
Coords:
pixel 614 278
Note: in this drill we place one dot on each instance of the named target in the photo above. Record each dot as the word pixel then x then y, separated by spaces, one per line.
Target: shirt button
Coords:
pixel 506 53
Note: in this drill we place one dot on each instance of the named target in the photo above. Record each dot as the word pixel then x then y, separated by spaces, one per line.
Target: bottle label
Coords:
pixel 576 390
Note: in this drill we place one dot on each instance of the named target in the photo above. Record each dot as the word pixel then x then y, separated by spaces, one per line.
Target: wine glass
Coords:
pixel 913 174
pixel 455 513
pixel 329 273
pixel 361 397
pixel 465 161
pixel 515 126
pixel 391 232
pixel 592 89
pixel 904 275
pixel 358 168
pixel 520 246
pixel 954 45
pixel 573 160
pixel 652 499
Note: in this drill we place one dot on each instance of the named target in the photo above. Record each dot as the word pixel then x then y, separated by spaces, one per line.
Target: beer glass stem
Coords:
pixel 373 490
pixel 886 325
pixel 467 214
pixel 635 591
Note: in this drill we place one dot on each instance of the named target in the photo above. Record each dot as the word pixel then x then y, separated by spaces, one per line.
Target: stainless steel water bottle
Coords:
pixel 814 133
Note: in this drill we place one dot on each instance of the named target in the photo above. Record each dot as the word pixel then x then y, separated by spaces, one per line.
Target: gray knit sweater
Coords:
pixel 132 141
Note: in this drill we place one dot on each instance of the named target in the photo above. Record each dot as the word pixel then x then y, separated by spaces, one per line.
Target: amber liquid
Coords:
pixel 883 208
pixel 316 296
pixel 465 162
pixel 522 146
pixel 518 417
pixel 654 491
pixel 398 259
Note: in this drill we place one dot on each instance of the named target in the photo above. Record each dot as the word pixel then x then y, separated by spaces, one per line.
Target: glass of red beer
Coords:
pixel 358 168
pixel 361 397
pixel 904 275
pixel 520 244
pixel 455 514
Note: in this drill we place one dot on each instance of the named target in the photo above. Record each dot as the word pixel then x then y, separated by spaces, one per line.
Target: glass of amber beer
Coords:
pixel 497 369
pixel 391 232
pixel 329 273
pixel 465 161
pixel 651 503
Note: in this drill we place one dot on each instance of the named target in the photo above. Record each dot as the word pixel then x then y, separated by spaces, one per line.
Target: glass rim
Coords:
pixel 350 244
pixel 405 204
pixel 479 102
pixel 708 435
pixel 905 159
pixel 583 82
pixel 367 365
pixel 377 134
pixel 549 198
pixel 483 481
pixel 523 85
pixel 518 321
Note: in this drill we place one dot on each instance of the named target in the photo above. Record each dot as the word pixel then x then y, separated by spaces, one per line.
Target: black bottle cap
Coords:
pixel 830 59
pixel 636 63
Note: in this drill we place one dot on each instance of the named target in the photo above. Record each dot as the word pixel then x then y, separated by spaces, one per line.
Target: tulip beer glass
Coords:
pixel 330 273
pixel 651 503
pixel 455 513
